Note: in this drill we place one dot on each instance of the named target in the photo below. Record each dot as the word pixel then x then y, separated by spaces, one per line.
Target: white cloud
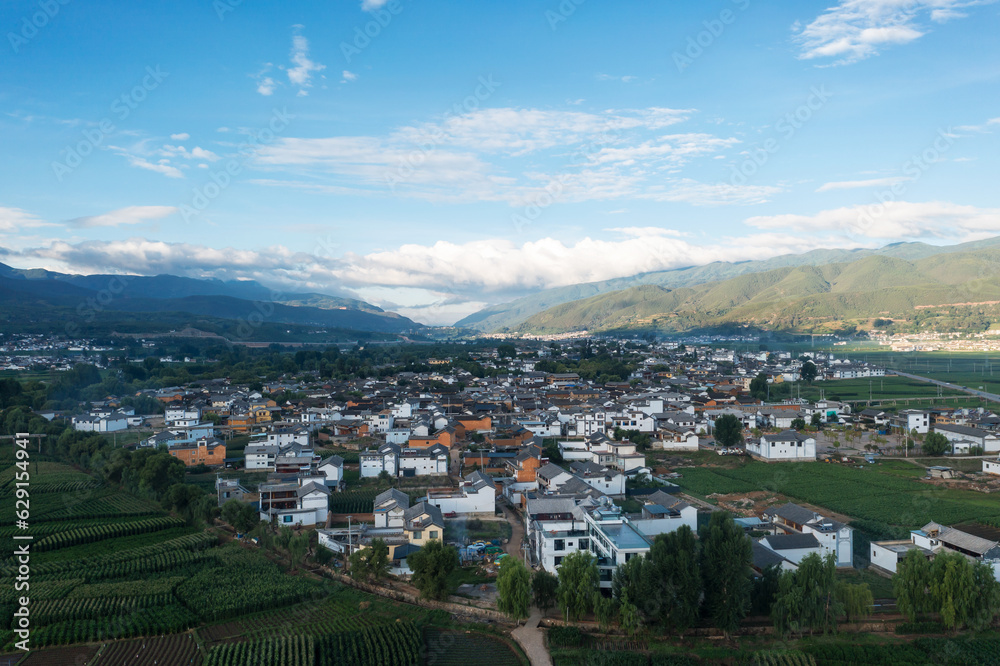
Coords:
pixel 372 5
pixel 124 216
pixel 265 86
pixel 857 29
pixel 894 220
pixel 348 76
pixel 609 77
pixel 162 166
pixel 183 136
pixel 438 283
pixel 301 74
pixel 468 157
pixel 17 219
pixel 196 153
pixel 855 184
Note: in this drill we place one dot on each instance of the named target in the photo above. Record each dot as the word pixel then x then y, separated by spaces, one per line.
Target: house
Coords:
pixel 910 420
pixel 228 489
pixel 423 522
pixel 333 469
pixel 110 422
pixel 764 557
pixel 793 547
pixel 962 438
pixel 383 459
pixel 977 542
pixel 423 462
pixel 608 480
pixel 390 507
pixel 832 536
pixel 295 502
pixel 476 495
pixel 551 477
pixel 784 446
pixel 991 467
pixel 260 456
pixel 205 451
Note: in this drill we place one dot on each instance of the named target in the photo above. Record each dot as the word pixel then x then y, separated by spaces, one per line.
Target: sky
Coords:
pixel 436 157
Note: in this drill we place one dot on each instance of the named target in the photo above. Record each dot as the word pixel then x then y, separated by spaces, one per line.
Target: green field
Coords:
pixel 879 388
pixel 971 369
pixel 885 493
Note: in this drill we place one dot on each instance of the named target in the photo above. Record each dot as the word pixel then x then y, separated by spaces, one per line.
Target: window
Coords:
pixel 584 544
pixel 432 534
pixel 558 561
pixel 286 519
pixel 559 544
pixel 417 535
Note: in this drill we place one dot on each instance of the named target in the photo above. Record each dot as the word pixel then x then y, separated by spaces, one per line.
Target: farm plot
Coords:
pixel 176 649
pixel 454 648
pixel 862 493
pixel 360 500
pixel 67 656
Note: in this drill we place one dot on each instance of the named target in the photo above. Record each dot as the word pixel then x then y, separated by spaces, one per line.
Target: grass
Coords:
pixel 467 576
pixel 475 529
pixel 879 388
pixel 885 493
pixel 880 586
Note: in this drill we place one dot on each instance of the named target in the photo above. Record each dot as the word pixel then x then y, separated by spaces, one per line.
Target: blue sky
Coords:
pixel 436 157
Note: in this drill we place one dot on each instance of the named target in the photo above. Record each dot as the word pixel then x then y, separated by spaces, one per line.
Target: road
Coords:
pixel 532 641
pixel 513 545
pixel 993 397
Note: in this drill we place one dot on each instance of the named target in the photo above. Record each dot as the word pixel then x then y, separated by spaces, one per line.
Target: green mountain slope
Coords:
pixel 507 315
pixel 944 291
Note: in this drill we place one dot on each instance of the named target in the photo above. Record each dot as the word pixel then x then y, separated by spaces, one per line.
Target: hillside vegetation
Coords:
pixel 955 291
pixel 508 315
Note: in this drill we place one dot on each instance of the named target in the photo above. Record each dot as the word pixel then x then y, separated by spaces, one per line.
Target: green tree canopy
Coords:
pixel 728 430
pixel 578 583
pixel 725 570
pixel 808 371
pixel 543 588
pixel 759 387
pixel 513 589
pixel 432 565
pixel 935 444
pixel 807 597
pixel 372 563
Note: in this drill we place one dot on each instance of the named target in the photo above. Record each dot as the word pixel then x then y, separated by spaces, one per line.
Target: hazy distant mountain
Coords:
pixel 945 290
pixel 34 290
pixel 508 315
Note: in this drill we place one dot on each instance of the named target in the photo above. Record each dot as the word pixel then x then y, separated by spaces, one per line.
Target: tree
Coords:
pixel 807 597
pixel 506 351
pixel 759 387
pixel 606 610
pixel 808 372
pixel 856 600
pixel 432 565
pixel 247 519
pixel 935 444
pixel 513 589
pixel 765 589
pixel 817 420
pixel 728 430
pixel 911 584
pixel 578 583
pixel 629 618
pixel 284 537
pixel 297 548
pixel 799 424
pixel 670 581
pixel 372 563
pixel 543 588
pixel 725 570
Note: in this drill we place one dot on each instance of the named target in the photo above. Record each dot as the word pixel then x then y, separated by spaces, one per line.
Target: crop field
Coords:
pixel 177 649
pixel 868 493
pixel 360 500
pixel 877 388
pixel 453 648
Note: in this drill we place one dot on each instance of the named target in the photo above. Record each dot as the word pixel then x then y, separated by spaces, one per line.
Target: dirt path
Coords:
pixel 513 545
pixel 532 640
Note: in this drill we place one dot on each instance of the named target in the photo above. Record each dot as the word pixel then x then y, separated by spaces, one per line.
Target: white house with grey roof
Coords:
pixel 964 437
pixel 783 446
pixel 833 537
pixel 977 542
pixel 475 495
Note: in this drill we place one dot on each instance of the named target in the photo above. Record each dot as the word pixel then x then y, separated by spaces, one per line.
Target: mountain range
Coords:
pixel 44 295
pixel 953 290
pixel 520 314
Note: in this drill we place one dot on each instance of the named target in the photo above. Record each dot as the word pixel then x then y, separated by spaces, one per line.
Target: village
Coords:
pixel 550 464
